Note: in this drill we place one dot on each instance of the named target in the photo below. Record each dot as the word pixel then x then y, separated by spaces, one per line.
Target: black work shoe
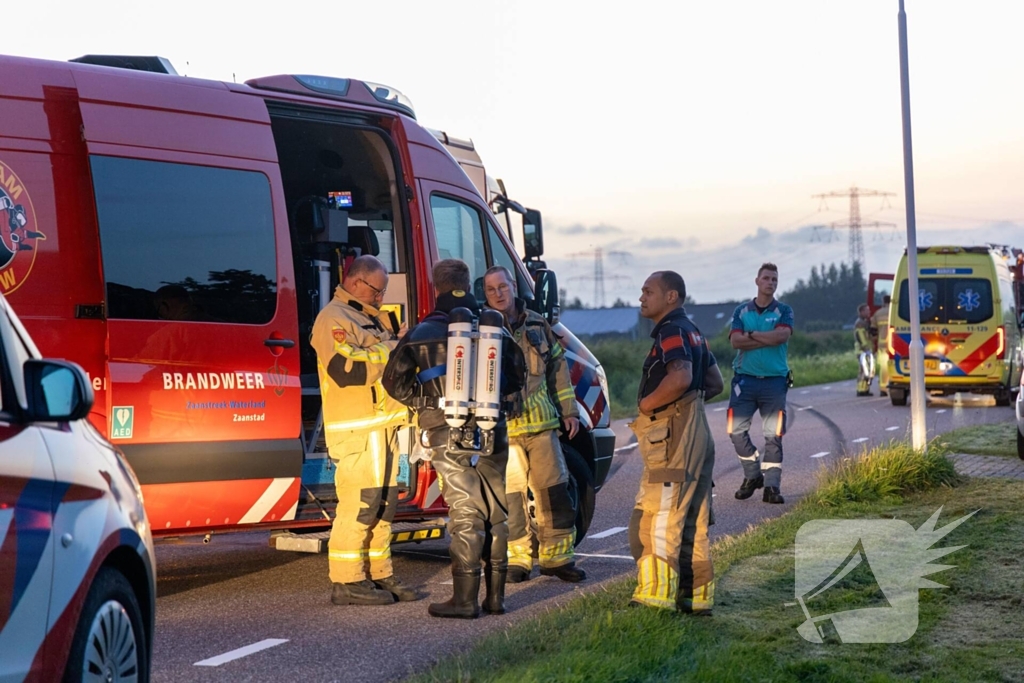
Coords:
pixel 567 572
pixel 748 487
pixel 864 393
pixel 360 593
pixel 772 495
pixel 394 586
pixel 517 574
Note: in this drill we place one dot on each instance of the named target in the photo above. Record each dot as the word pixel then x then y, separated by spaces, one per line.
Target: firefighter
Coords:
pixel 880 327
pixel 473 485
pixel 862 347
pixel 667 530
pixel 353 339
pixel 535 458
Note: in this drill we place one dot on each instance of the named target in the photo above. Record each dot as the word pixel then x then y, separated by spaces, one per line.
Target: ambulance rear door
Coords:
pixel 200 299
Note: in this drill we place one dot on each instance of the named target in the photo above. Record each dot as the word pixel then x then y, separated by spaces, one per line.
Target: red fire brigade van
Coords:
pixel 176 237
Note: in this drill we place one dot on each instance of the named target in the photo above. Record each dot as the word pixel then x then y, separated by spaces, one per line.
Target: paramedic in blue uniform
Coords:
pixel 760 334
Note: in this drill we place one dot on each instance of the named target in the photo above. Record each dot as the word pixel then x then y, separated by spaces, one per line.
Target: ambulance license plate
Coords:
pixel 931 364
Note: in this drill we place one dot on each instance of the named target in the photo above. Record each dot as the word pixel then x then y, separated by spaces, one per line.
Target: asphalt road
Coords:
pixel 237 592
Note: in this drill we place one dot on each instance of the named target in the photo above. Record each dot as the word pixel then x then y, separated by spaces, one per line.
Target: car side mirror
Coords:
pixel 533 234
pixel 545 299
pixel 58 391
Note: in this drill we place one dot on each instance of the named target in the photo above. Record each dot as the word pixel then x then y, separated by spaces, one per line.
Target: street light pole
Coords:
pixel 918 399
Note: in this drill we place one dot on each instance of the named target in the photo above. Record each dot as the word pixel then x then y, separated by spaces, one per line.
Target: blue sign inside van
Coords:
pixel 947 271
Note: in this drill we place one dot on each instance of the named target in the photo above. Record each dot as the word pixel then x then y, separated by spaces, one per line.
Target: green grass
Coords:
pixel 969 631
pixel 996 439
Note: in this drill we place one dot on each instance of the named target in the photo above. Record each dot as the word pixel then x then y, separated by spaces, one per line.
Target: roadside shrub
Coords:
pixel 884 472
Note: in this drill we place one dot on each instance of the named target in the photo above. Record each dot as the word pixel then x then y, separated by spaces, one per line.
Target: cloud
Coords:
pixel 605 230
pixel 660 243
pixel 580 229
pixel 574 229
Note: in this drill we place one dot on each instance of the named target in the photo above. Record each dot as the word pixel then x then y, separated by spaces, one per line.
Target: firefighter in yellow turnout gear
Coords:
pixel 668 528
pixel 863 347
pixel 880 332
pixel 353 340
pixel 536 461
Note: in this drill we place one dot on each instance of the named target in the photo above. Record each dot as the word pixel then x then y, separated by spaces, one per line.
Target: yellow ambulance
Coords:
pixel 969 324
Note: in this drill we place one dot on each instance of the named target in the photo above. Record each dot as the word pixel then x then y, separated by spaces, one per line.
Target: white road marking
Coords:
pixel 826 388
pixel 820 455
pixel 610 557
pixel 608 532
pixel 940 410
pixel 626 447
pixel 860 440
pixel 892 429
pixel 804 408
pixel 718 410
pixel 805 392
pixel 241 652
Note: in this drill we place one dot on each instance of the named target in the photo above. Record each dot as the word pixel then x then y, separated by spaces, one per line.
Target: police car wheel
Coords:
pixel 109 643
pixel 581 489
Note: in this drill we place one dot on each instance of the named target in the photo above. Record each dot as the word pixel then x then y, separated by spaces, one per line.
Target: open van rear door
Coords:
pixel 879 285
pixel 200 302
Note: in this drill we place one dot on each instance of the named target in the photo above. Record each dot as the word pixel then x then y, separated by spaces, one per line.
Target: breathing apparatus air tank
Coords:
pixel 487 388
pixel 459 377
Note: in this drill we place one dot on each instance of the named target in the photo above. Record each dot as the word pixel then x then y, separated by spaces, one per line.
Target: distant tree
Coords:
pixel 829 297
pixel 619 303
pixel 573 305
pixel 688 301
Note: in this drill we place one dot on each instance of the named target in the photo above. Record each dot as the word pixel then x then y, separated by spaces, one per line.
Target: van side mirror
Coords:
pixel 545 300
pixel 57 391
pixel 533 234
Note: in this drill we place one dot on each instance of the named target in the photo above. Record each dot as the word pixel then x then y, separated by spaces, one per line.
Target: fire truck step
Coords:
pixel 316 542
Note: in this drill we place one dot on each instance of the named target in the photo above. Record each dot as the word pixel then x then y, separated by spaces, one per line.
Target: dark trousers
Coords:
pixel 766 395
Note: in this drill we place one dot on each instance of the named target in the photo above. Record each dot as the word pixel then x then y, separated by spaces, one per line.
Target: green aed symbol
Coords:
pixel 124 418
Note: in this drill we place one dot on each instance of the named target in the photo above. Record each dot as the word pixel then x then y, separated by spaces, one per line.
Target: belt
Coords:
pixel 743 374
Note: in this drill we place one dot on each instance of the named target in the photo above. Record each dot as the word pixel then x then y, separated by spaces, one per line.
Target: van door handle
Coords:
pixel 279 343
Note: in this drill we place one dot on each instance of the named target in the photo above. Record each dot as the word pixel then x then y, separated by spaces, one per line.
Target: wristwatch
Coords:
pixel 750 334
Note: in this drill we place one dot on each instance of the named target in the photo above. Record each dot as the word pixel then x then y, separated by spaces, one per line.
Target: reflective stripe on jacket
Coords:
pixel 353 341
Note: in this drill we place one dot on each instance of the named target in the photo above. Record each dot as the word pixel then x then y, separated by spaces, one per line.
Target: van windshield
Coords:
pixel 950 300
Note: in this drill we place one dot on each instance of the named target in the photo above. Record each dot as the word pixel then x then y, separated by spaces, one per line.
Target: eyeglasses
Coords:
pixel 376 291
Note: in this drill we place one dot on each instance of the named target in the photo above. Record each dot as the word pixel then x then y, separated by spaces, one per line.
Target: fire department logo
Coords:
pixel 339 335
pixel 19 233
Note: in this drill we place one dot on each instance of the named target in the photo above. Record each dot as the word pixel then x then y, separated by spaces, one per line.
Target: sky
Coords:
pixel 688 135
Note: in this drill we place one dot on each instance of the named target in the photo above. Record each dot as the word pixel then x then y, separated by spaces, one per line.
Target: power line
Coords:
pixel 854 225
pixel 598 278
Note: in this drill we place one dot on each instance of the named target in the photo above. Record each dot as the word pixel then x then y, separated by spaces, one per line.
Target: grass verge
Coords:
pixel 997 439
pixel 969 631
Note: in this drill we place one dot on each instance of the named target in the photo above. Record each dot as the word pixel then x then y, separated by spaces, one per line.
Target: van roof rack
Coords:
pixel 157 65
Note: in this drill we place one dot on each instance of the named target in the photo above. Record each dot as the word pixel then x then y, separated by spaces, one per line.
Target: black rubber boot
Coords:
pixel 772 495
pixel 494 603
pixel 465 595
pixel 748 487
pixel 360 593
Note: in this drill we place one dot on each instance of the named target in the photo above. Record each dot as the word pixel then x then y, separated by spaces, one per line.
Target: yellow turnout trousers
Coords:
pixel 536 462
pixel 366 480
pixel 667 532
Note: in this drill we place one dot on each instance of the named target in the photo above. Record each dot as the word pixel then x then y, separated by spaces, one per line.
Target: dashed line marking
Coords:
pixel 718 410
pixel 608 532
pixel 610 557
pixel 242 652
pixel 860 440
pixel 805 391
pixel 804 408
pixel 940 411
pixel 826 388
pixel 626 447
pixel 892 429
pixel 820 455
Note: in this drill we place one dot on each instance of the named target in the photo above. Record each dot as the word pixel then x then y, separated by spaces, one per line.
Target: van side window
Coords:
pixel 185 242
pixel 459 233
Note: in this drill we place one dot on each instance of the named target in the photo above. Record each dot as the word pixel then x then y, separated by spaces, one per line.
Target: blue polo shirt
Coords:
pixel 769 361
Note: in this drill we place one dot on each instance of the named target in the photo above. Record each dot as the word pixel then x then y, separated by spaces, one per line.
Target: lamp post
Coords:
pixel 918 399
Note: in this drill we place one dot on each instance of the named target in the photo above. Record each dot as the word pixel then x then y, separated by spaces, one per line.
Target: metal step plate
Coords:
pixel 316 542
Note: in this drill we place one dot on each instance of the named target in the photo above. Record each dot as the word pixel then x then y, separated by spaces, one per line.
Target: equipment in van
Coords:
pixel 473 380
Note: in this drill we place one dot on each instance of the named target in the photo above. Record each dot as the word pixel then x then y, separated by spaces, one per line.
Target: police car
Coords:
pixel 77 572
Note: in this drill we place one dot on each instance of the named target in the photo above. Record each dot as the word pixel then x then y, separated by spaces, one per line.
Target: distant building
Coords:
pixel 710 319
pixel 628 323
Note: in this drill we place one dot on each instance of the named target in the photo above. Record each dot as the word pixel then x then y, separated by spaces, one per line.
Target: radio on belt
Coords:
pixel 473 380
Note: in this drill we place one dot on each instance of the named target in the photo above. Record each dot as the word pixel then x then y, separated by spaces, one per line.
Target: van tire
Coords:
pixel 581 489
pixel 898 397
pixel 1003 397
pixel 1020 444
pixel 110 619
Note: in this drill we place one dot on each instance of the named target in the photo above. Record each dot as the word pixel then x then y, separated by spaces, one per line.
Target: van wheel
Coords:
pixel 898 397
pixel 1003 397
pixel 581 489
pixel 1020 444
pixel 109 642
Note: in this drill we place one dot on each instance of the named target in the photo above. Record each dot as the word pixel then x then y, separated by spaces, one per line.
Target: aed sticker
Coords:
pixel 124 421
pixel 19 233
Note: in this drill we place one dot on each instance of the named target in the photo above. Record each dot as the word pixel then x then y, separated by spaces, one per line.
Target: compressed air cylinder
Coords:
pixel 458 378
pixel 487 388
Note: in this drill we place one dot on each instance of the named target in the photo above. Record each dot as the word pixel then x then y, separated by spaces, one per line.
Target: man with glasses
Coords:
pixel 353 339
